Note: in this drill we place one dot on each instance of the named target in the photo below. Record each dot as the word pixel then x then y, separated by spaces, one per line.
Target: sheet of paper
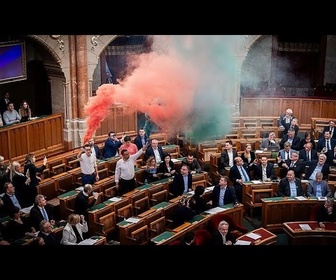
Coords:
pixel 210 188
pixel 256 181
pixel 133 220
pixel 79 189
pixel 322 198
pixel 305 227
pixel 253 235
pixel 301 198
pixel 304 181
pixel 242 242
pixel 26 210
pixel 115 199
pixel 88 241
pixel 215 210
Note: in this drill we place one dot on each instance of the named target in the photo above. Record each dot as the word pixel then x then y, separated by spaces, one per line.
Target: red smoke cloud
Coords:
pixel 161 86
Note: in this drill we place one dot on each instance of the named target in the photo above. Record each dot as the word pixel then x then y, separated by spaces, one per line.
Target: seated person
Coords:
pixel 264 170
pixel 223 194
pixel 167 167
pixel 318 187
pixel 326 213
pixel 18 226
pixel 315 166
pixel 227 157
pixel 222 235
pixel 192 163
pixel 151 174
pixel 10 199
pixel 285 153
pixel 294 163
pixel 307 153
pixel 331 157
pixel 11 116
pixel 182 182
pixel 290 186
pixel 331 128
pixel 41 211
pixel 308 138
pixel 292 139
pixel 248 156
pixel 270 142
pixel 47 233
pixel 25 111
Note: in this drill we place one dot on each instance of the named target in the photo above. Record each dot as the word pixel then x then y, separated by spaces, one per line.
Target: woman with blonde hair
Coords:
pixel 25 111
pixel 151 170
pixel 73 230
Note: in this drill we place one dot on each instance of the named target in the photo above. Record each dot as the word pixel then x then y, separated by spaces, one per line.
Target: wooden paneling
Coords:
pixel 40 136
pixel 303 108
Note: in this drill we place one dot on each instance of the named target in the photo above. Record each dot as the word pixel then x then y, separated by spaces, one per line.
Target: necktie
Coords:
pixel 308 157
pixel 44 214
pixel 264 175
pixel 292 164
pixel 245 176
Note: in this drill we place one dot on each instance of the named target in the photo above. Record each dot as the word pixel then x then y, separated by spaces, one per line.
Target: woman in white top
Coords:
pixel 74 229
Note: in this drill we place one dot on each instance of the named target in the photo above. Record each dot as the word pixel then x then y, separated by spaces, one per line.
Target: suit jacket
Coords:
pixel 303 142
pixel 82 204
pixel 282 153
pixel 217 238
pixel 311 188
pixel 8 205
pixel 253 157
pixel 194 166
pixel 98 153
pixel 311 167
pixel 111 147
pixel 69 236
pixel 149 152
pixel 282 121
pixel 284 189
pixel 295 143
pixel 323 216
pixel 327 128
pixel 137 141
pixel 36 216
pixel 33 170
pixel 224 158
pixel 330 157
pixel 270 173
pixel 178 184
pixel 229 196
pixel 322 143
pixel 235 174
pixel 163 168
pixel 298 167
pixel 50 239
pixel 303 155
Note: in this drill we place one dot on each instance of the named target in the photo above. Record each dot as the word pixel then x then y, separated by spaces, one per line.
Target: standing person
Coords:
pixel 285 120
pixel 124 171
pixel 111 146
pixel 73 230
pixel 82 204
pixel 227 157
pixel 19 182
pixel 4 102
pixel 223 236
pixel 25 111
pixel 30 171
pixel 141 139
pixel 88 164
pixel 11 116
pixel 95 149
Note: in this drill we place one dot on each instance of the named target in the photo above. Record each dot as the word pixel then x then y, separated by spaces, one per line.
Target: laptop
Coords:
pixel 273 149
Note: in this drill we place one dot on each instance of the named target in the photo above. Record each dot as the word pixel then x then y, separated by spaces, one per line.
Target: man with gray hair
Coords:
pixel 318 187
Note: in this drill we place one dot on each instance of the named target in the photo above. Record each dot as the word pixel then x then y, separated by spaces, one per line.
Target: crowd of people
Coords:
pixel 297 159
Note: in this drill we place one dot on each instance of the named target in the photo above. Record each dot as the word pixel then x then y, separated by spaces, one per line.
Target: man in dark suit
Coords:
pixel 326 143
pixel 284 186
pixel 4 103
pixel 37 213
pixel 291 138
pixel 285 120
pixel 141 139
pixel 315 166
pixel 95 149
pixel 154 150
pixel 82 204
pixel 239 173
pixel 308 153
pixel 182 182
pixel 331 128
pixel 265 170
pixel 294 163
pixel 227 157
pixel 223 194
pixel 10 199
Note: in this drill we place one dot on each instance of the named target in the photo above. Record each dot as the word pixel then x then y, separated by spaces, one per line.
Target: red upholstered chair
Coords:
pixel 202 237
pixel 313 212
pixel 236 229
pixel 175 242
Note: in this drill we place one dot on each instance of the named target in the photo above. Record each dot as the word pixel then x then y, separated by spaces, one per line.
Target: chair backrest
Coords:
pixel 159 197
pixel 108 223
pixel 157 227
pixel 140 235
pixel 141 205
pixel 202 237
pixel 125 212
pixel 233 226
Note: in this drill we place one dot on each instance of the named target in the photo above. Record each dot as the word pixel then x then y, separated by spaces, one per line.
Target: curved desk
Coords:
pixel 309 233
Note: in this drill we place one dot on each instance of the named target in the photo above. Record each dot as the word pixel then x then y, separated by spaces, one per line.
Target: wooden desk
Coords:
pixel 277 210
pixel 266 237
pixel 95 213
pixel 63 199
pixel 316 236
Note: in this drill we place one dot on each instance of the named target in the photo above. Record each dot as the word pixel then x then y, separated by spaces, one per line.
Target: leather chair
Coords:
pixel 236 229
